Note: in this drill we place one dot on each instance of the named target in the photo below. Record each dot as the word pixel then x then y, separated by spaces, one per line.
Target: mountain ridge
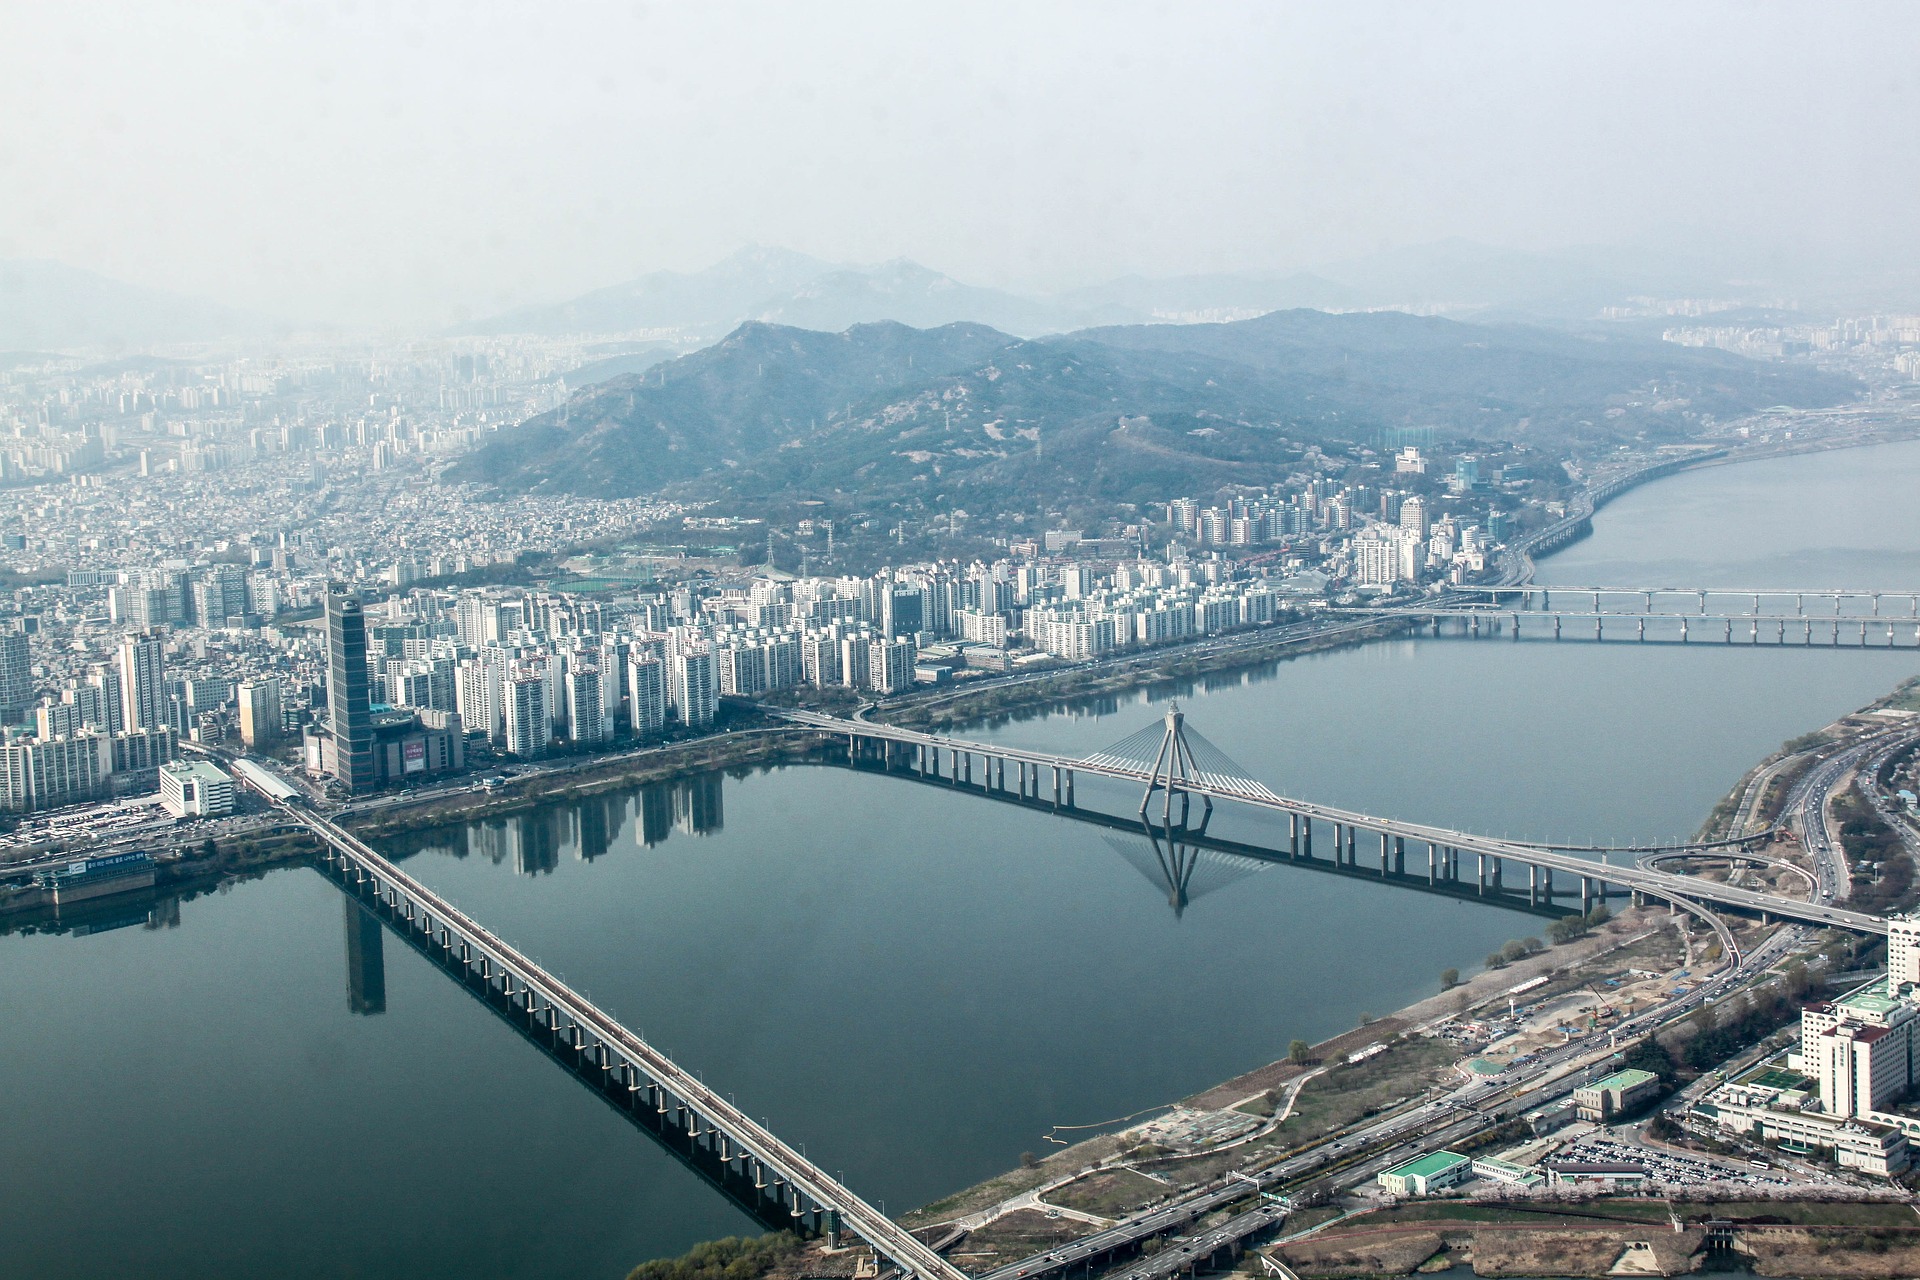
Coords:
pixel 1124 414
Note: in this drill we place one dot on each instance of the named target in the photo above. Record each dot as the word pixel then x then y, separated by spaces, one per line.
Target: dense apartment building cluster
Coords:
pixel 525 670
pixel 107 731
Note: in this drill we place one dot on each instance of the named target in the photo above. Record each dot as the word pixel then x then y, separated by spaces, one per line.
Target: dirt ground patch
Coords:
pixel 1015 1235
pixel 1548 1252
pixel 1389 1254
pixel 1842 1252
pixel 1222 1096
pixel 1350 1091
pixel 1109 1193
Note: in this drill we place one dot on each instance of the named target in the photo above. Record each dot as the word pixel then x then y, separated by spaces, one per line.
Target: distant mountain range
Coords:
pixel 50 306
pixel 963 413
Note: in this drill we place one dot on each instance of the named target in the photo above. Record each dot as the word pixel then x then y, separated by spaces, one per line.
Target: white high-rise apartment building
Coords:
pixel 587 718
pixel 693 686
pixel 529 724
pixel 646 694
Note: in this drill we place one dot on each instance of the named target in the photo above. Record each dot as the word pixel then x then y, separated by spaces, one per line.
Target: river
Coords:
pixel 914 983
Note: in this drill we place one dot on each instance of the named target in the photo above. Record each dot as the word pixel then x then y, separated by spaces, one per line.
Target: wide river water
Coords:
pixel 914 983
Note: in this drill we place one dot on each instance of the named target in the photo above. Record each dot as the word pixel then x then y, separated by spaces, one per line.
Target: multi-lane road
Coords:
pixel 1433 1123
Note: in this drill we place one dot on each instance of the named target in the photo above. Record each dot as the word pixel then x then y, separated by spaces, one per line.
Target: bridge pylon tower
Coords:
pixel 1173 768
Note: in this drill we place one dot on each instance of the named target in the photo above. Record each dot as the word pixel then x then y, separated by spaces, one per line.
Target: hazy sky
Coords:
pixel 409 163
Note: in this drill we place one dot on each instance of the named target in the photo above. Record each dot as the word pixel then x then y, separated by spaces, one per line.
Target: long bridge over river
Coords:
pixel 759 1171
pixel 1175 769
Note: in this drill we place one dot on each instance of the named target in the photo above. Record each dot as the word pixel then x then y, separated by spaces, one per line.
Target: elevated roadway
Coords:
pixel 1346 823
pixel 622 1057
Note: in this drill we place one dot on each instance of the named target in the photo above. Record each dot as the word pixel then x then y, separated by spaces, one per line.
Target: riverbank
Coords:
pixel 1380 1065
pixel 1124 675
pixel 195 864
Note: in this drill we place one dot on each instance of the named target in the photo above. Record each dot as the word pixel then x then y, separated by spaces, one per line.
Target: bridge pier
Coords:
pixel 1556 626
pixel 1293 835
pixel 1432 863
pixel 1399 855
pixel 1586 895
pixel 1533 885
pixel 1482 871
pixel 1385 854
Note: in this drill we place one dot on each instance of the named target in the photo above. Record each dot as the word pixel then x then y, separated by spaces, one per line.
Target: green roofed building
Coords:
pixel 1424 1175
pixel 1620 1092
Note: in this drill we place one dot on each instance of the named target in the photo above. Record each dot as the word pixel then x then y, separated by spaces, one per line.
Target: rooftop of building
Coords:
pixel 197 769
pixel 1630 1078
pixel 1426 1166
pixel 1875 999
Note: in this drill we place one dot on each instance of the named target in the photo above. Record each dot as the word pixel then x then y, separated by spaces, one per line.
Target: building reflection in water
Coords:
pixel 696 804
pixel 656 813
pixel 591 826
pixel 366 961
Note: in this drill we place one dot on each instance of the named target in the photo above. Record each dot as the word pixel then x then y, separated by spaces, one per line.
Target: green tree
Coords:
pixel 1449 979
pixel 1599 916
pixel 1534 946
pixel 1566 929
pixel 1496 960
pixel 1299 1052
pixel 731 1259
pixel 1514 950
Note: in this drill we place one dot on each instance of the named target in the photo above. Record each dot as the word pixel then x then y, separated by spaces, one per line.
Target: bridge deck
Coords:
pixel 625 1052
pixel 1658 884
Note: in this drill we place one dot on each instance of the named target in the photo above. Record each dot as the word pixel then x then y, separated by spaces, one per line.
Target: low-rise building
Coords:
pixel 1785 1118
pixel 1514 1175
pixel 1595 1173
pixel 195 789
pixel 1424 1175
pixel 1619 1093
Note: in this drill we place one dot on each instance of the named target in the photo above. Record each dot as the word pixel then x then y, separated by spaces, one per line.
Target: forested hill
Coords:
pixel 1127 413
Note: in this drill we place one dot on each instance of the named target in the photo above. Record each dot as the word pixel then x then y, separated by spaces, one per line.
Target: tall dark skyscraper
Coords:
pixel 349 710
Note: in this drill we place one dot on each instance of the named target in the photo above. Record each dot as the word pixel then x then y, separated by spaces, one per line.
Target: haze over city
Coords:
pixel 959 642
pixel 411 166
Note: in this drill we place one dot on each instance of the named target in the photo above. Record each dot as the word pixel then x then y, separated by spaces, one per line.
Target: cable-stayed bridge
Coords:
pixel 1173 765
